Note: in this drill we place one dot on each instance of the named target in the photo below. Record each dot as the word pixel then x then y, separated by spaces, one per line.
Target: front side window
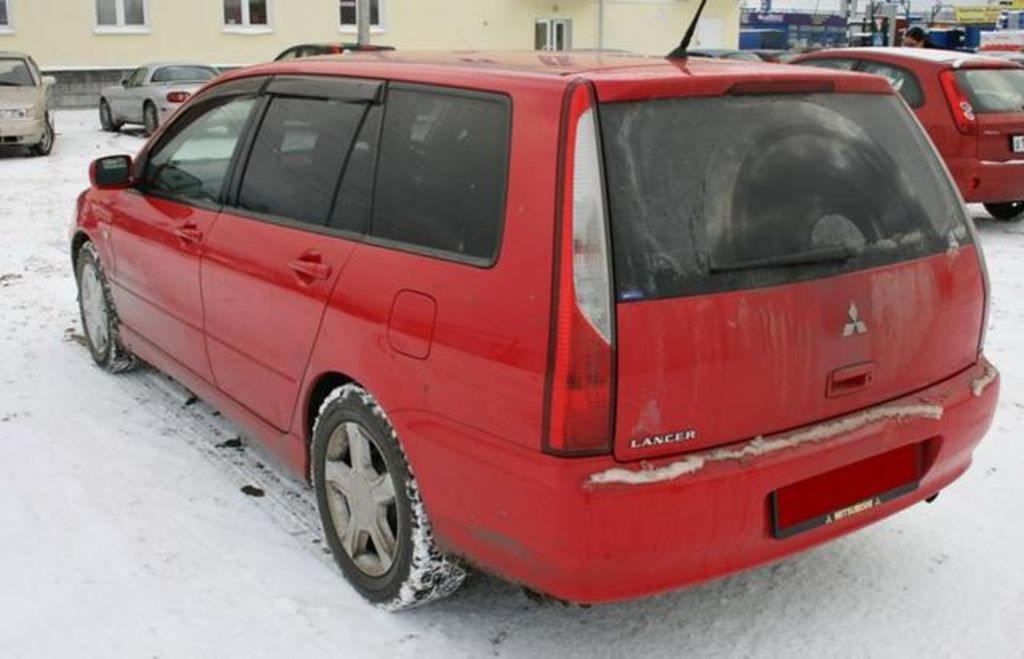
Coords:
pixel 246 13
pixel 297 158
pixel 350 15
pixel 121 13
pixel 442 172
pixel 14 72
pixel 192 163
pixel 137 78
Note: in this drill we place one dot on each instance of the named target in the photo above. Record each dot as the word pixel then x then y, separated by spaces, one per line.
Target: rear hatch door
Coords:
pixel 997 96
pixel 779 259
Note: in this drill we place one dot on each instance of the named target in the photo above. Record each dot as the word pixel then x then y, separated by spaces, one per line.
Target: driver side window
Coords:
pixel 192 163
pixel 137 77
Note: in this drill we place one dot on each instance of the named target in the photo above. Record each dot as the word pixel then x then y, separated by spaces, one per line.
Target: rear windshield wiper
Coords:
pixel 826 255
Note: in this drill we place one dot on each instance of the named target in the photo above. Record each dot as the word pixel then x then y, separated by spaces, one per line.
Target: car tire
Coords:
pixel 107 121
pixel 100 323
pixel 367 496
pixel 45 144
pixel 150 119
pixel 1010 211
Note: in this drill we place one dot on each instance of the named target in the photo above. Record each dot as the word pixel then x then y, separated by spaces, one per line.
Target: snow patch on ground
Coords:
pixel 761 446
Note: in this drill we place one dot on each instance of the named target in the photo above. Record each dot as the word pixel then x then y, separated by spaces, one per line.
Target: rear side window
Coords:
pixel 902 80
pixel 715 194
pixel 993 90
pixel 297 158
pixel 442 173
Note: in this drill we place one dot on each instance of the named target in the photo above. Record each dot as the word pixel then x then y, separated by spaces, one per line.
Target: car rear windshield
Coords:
pixel 993 90
pixel 184 74
pixel 723 193
pixel 15 73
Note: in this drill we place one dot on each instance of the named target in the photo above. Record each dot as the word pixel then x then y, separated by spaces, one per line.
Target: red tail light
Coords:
pixel 580 387
pixel 177 97
pixel 959 105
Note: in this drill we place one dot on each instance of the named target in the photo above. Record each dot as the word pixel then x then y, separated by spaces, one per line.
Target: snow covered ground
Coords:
pixel 124 531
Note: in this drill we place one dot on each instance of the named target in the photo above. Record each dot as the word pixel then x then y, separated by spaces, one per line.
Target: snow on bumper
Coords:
pixel 594 530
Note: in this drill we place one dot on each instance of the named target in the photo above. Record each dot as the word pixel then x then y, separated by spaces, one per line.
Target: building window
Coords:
pixel 350 16
pixel 121 14
pixel 553 34
pixel 246 13
pixel 5 16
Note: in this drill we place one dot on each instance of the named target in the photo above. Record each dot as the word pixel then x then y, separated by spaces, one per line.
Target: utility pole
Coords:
pixel 363 22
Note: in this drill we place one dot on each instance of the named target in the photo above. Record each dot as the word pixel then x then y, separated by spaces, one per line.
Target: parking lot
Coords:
pixel 125 531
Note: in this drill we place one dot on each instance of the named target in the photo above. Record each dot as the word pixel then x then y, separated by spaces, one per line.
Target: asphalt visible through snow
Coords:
pixel 136 522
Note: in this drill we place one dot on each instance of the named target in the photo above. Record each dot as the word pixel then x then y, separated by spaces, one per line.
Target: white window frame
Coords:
pixel 121 27
pixel 354 29
pixel 245 27
pixel 8 27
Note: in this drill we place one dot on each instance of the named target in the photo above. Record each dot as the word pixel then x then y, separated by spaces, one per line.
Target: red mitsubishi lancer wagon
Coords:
pixel 605 326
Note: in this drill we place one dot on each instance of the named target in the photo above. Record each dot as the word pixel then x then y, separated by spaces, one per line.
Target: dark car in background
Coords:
pixel 315 49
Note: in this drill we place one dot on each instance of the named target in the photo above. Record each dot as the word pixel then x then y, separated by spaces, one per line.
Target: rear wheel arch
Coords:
pixel 322 386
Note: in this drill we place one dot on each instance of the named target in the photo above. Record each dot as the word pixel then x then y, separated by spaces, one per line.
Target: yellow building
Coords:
pixel 120 34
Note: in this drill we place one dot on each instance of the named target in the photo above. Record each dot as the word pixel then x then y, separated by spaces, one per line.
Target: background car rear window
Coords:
pixel 993 90
pixel 442 173
pixel 184 74
pixel 192 162
pixel 297 158
pixel 727 193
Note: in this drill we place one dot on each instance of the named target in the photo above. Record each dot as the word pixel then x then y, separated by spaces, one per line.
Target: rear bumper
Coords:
pixel 593 530
pixel 16 132
pixel 987 181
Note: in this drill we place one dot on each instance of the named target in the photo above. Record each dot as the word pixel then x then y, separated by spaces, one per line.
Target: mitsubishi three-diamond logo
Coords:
pixel 856 325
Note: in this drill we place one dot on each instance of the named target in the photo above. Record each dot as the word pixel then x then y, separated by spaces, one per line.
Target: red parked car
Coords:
pixel 573 321
pixel 972 107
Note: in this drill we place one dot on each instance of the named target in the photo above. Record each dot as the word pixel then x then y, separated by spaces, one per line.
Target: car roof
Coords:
pixel 937 56
pixel 591 64
pixel 616 76
pixel 12 54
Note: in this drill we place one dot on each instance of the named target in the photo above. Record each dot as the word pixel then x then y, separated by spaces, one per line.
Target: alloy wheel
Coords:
pixel 361 499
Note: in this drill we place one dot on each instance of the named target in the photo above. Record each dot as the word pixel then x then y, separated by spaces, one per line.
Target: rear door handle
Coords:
pixel 309 266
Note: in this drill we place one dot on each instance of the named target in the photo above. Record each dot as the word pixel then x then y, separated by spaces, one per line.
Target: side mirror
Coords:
pixel 49 81
pixel 111 172
pixel 124 82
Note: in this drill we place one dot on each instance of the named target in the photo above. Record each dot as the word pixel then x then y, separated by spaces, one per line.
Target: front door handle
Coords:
pixel 309 266
pixel 189 233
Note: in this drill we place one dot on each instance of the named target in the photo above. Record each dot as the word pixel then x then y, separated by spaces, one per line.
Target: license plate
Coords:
pixel 845 492
pixel 1017 142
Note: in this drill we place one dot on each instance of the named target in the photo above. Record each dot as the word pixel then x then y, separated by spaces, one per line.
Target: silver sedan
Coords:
pixel 151 94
